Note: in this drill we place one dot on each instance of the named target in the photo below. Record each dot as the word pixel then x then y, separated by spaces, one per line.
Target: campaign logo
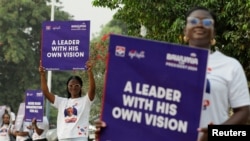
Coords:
pixel 136 54
pixel 39 94
pixel 120 51
pixel 48 27
pixel 182 62
pixel 29 94
pixel 205 104
pixel 56 28
pixel 209 70
pixel 79 26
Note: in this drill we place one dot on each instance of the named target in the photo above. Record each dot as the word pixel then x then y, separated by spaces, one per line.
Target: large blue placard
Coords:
pixel 65 44
pixel 153 90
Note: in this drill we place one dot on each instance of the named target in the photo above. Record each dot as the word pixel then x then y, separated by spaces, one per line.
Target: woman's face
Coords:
pixel 6 119
pixel 199 29
pixel 74 88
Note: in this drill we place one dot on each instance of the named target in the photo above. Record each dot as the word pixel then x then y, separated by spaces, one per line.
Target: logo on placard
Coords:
pixel 29 94
pixel 182 62
pixel 39 94
pixel 120 51
pixel 79 26
pixel 56 27
pixel 48 27
pixel 136 54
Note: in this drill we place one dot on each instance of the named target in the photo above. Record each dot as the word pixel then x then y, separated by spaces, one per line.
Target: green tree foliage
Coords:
pixel 20 34
pixel 98 50
pixel 165 20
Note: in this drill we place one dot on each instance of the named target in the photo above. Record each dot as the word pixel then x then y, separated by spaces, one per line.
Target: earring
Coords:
pixel 185 38
pixel 213 42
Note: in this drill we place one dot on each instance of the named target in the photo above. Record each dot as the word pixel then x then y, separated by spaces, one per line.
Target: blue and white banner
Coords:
pixel 34 105
pixel 65 44
pixel 153 90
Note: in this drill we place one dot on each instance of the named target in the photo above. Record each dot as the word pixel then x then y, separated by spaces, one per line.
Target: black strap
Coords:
pixel 41 140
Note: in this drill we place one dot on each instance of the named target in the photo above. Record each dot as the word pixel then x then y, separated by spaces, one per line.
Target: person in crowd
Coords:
pixel 12 114
pixel 40 129
pixel 25 133
pixel 226 81
pixel 75 129
pixel 226 85
pixel 6 129
pixel 21 129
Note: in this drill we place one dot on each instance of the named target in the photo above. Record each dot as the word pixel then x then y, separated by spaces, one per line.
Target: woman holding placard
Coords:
pixel 73 112
pixel 226 85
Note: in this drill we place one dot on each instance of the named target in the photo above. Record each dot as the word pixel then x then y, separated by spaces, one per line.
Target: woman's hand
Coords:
pixel 89 65
pixel 99 125
pixel 204 134
pixel 34 122
pixel 41 69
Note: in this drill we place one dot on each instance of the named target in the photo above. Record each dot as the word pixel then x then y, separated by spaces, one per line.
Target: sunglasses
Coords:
pixel 74 85
pixel 208 22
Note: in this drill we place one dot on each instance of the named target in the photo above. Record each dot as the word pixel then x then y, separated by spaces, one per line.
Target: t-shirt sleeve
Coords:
pixel 88 99
pixel 58 101
pixel 238 93
pixel 40 125
pixel 43 125
pixel 25 127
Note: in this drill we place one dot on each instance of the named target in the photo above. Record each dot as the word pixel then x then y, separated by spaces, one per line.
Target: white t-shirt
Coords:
pixel 4 132
pixel 226 87
pixel 41 125
pixel 24 129
pixel 73 117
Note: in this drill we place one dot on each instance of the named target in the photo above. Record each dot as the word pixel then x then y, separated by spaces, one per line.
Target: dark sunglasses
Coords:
pixel 208 22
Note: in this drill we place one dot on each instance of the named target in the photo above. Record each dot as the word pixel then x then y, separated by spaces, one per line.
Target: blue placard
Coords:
pixel 153 90
pixel 34 105
pixel 65 44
